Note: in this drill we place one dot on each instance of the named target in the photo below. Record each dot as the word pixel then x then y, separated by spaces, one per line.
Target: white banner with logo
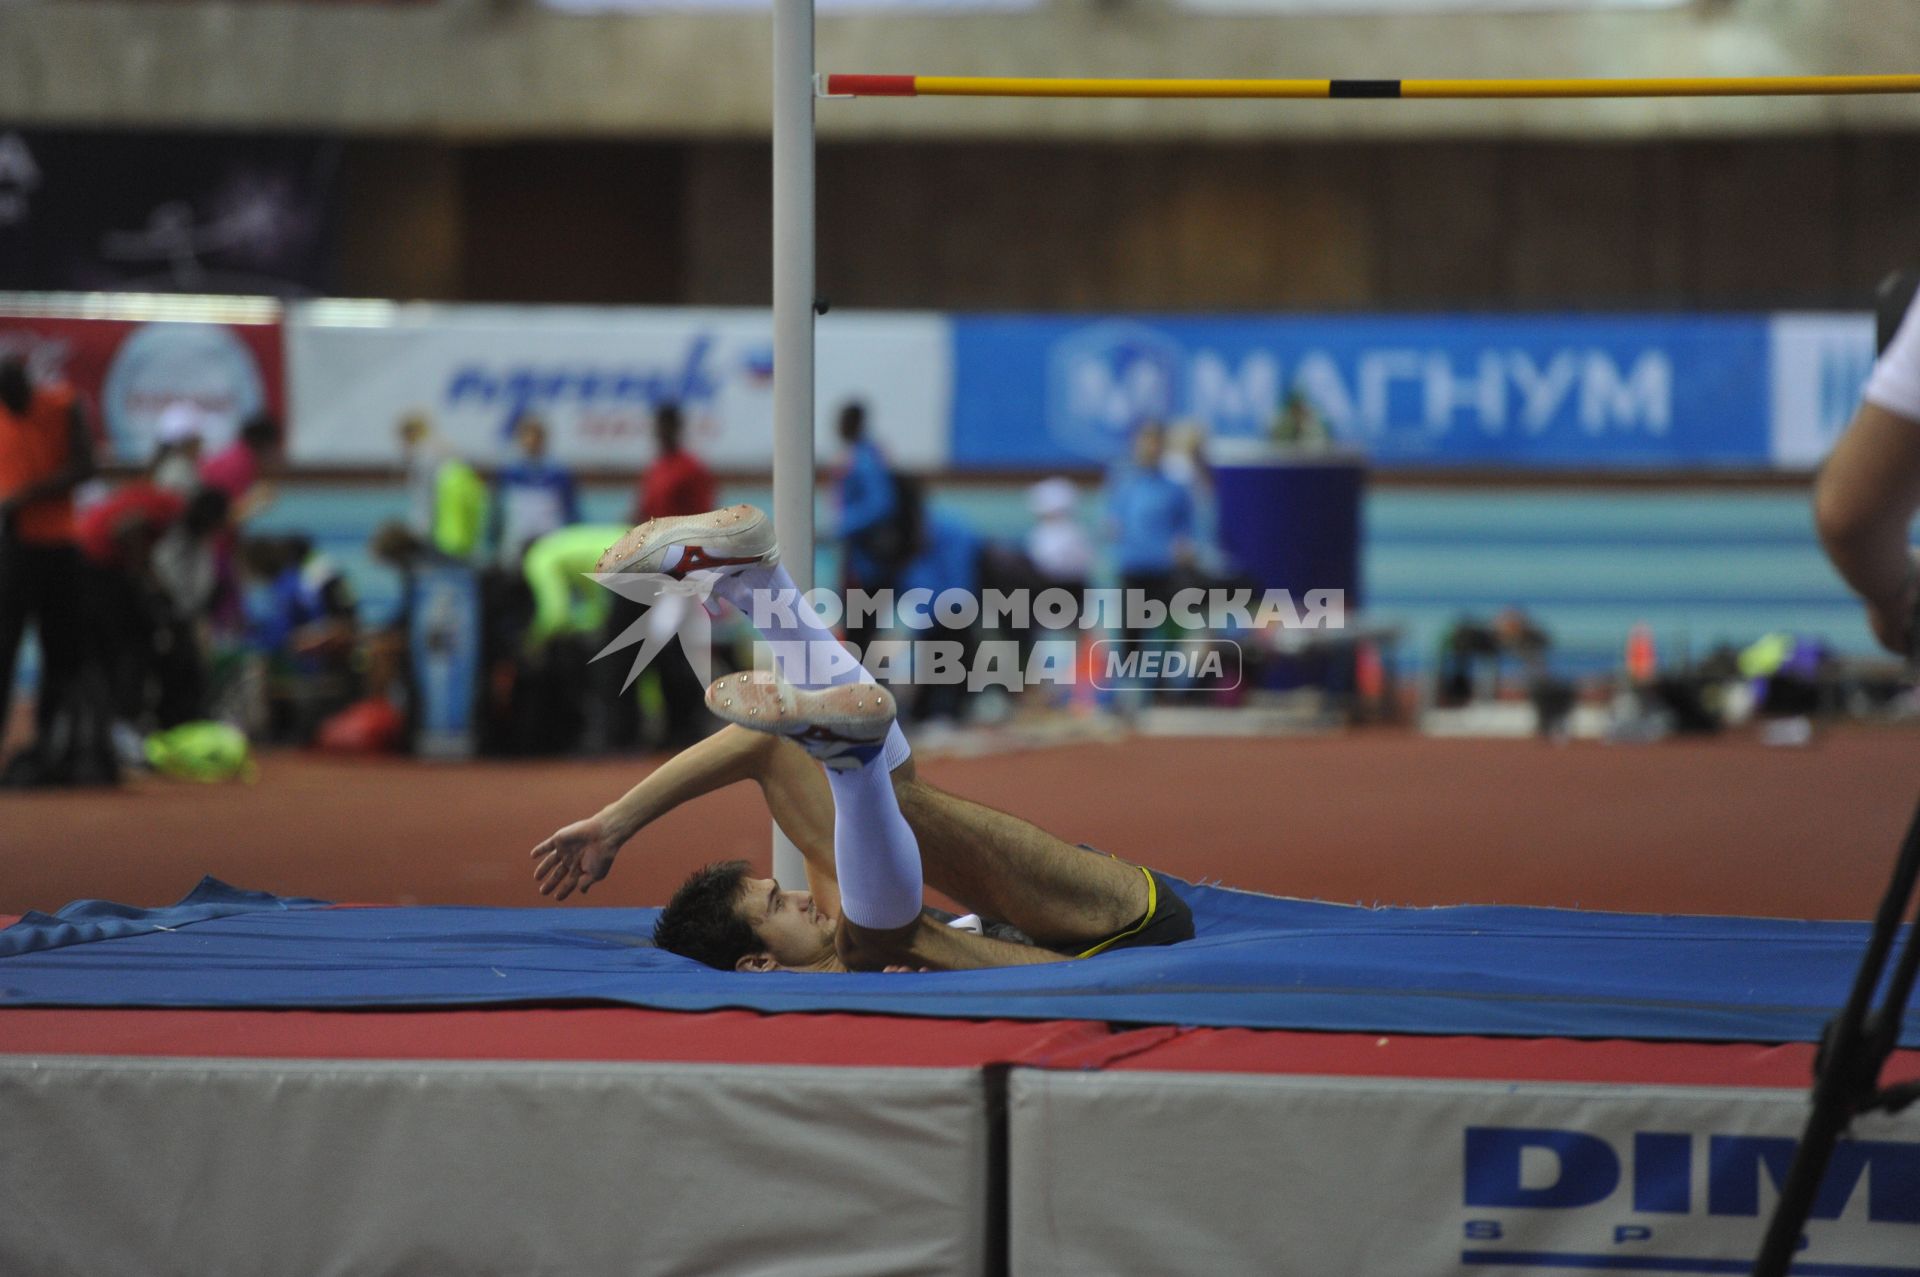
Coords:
pixel 596 375
pixel 1820 364
pixel 1361 8
pixel 1233 1173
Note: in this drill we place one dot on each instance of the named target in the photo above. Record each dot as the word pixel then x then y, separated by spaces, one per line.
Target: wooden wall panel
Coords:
pixel 1071 227
pixel 589 223
pixel 1577 229
pixel 1880 229
pixel 401 227
pixel 1765 219
pixel 1443 226
pixel 727 244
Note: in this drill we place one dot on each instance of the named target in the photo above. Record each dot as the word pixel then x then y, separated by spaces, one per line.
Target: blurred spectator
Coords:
pixel 446 498
pixel 556 693
pixel 1056 553
pixel 947 558
pixel 1869 490
pixel 186 573
pixel 533 495
pixel 1474 656
pixel 557 566
pixel 869 505
pixel 879 516
pixel 1185 463
pixel 677 482
pixel 240 471
pixel 389 655
pixel 149 579
pixel 45 450
pixel 176 460
pixel 185 559
pixel 1298 424
pixel 241 468
pixel 1058 544
pixel 1151 520
pixel 302 620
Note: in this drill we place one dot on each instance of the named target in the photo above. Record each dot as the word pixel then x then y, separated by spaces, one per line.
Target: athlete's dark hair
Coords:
pixel 700 921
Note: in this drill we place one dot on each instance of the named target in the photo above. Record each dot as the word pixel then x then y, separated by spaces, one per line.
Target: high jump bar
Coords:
pixel 908 86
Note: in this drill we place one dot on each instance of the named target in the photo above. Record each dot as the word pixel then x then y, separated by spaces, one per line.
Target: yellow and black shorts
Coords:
pixel 1166 921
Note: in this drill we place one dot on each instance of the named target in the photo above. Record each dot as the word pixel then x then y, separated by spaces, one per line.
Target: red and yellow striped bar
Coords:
pixel 925 86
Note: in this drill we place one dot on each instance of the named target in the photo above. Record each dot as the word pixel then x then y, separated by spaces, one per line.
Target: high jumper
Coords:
pixel 820 740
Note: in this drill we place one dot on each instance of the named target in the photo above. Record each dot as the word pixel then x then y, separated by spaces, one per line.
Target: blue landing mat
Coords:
pixel 1257 962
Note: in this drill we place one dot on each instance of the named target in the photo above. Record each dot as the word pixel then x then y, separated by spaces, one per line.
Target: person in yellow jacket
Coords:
pixel 565 598
pixel 447 499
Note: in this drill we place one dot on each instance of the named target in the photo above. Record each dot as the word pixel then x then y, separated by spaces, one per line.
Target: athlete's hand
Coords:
pixel 575 856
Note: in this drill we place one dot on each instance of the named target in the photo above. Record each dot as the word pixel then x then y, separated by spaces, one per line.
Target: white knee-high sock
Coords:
pixel 804 649
pixel 875 855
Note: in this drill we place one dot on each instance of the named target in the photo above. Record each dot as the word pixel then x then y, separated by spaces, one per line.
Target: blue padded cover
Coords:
pixel 1257 962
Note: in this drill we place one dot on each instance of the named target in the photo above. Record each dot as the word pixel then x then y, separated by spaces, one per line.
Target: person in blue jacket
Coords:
pixel 534 495
pixel 876 530
pixel 1151 520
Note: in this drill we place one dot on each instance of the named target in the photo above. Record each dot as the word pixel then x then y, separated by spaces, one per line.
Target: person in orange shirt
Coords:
pixel 45 450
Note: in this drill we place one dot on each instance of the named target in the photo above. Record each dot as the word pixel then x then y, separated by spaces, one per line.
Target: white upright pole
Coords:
pixel 793 302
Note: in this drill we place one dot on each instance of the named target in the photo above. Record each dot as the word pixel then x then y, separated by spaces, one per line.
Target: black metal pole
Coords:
pixel 1847 1070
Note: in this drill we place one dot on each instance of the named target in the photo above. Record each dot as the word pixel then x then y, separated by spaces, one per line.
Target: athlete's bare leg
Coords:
pixel 1008 869
pixel 998 865
pixel 801 803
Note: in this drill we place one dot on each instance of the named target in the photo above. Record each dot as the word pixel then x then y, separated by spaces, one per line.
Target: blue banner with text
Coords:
pixel 1466 390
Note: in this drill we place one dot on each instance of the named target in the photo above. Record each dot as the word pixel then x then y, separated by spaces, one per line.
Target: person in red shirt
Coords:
pixel 240 469
pixel 677 482
pixel 116 538
pixel 45 450
pixel 119 532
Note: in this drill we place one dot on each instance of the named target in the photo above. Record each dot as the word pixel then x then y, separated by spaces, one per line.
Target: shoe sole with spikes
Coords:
pixel 736 537
pixel 843 727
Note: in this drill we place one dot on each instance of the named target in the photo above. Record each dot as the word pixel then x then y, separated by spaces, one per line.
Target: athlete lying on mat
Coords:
pixel 869 830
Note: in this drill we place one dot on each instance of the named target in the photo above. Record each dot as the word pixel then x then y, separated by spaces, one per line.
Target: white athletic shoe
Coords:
pixel 844 727
pixel 727 540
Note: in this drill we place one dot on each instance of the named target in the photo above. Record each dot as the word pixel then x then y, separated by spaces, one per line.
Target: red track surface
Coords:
pixel 1723 826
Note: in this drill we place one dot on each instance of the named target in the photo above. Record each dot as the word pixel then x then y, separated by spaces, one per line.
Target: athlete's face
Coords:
pixel 792 929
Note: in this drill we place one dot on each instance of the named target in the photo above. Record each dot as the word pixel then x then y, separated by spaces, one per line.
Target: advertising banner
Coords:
pixel 223 362
pixel 595 377
pixel 167 212
pixel 1360 8
pixel 1397 1177
pixel 825 6
pixel 443 637
pixel 1537 390
pixel 1820 365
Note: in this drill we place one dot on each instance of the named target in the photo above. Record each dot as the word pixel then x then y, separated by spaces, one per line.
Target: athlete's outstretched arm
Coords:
pixel 578 855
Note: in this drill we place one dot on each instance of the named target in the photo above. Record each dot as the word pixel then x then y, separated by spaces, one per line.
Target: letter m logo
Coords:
pixel 1736 1163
